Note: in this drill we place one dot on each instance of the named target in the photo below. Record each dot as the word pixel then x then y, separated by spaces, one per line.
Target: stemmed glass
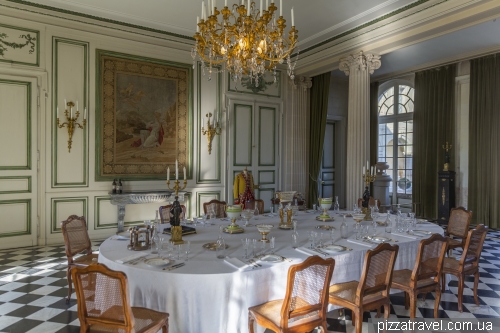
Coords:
pixel 187 249
pixel 332 234
pixel 312 239
pixel 179 250
pixel 295 234
pixel 247 214
pixel 246 245
pixel 272 244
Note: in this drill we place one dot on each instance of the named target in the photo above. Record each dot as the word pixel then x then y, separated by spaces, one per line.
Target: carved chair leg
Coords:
pixel 70 286
pixel 437 301
pixel 359 320
pixel 250 324
pixel 476 282
pixel 387 310
pixel 413 305
pixel 407 301
pixel 378 313
pixel 461 279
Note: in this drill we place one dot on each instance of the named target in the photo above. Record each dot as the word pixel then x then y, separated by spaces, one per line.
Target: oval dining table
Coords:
pixel 210 295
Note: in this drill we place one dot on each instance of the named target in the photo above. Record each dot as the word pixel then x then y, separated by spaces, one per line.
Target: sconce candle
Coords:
pixel 176 170
pixel 168 173
pixel 184 173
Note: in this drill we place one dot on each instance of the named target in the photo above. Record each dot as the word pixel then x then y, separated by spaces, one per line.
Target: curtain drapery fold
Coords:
pixel 319 108
pixel 484 142
pixel 433 126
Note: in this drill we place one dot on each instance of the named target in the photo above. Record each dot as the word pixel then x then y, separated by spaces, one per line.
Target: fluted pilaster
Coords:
pixel 296 135
pixel 358 67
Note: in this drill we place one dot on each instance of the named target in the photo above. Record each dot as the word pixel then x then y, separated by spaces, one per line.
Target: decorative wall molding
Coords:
pixel 208 195
pixel 19 45
pixel 360 61
pixel 24 183
pixel 55 202
pixel 27 229
pixel 301 82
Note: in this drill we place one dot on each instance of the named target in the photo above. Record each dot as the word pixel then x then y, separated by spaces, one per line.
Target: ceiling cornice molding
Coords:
pixel 419 26
pixel 92 19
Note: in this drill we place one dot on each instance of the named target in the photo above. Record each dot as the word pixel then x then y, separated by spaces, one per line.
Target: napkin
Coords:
pixel 405 235
pixel 360 242
pixel 131 257
pixel 307 251
pixel 237 263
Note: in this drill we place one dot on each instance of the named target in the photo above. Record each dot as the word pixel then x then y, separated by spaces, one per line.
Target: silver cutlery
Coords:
pixel 320 252
pixel 174 266
pixel 253 262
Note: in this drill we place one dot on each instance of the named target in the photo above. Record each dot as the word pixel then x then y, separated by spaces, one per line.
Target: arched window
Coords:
pixel 395 135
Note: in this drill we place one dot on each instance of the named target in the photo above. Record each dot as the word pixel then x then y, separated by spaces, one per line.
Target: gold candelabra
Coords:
pixel 70 122
pixel 175 227
pixel 369 176
pixel 176 187
pixel 211 131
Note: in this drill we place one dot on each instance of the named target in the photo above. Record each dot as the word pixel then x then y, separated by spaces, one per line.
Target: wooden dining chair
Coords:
pixel 76 241
pixel 104 306
pixel 305 302
pixel 372 290
pixel 425 275
pixel 371 202
pixel 458 226
pixel 219 208
pixel 468 263
pixel 165 213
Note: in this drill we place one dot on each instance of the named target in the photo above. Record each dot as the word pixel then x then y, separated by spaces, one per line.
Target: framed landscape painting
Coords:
pixel 144 117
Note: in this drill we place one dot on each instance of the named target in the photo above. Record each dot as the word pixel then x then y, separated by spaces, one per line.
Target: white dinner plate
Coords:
pixel 157 262
pixel 271 258
pixel 334 248
pixel 421 221
pixel 379 239
pixel 311 211
pixel 422 232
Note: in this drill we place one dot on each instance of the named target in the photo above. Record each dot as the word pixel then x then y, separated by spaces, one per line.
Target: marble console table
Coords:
pixel 136 197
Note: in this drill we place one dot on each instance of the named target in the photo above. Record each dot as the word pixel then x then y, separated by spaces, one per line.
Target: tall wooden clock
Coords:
pixel 446 195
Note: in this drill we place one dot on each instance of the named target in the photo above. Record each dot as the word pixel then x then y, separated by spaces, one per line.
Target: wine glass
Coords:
pixel 179 251
pixel 272 244
pixel 332 234
pixel 187 249
pixel 246 245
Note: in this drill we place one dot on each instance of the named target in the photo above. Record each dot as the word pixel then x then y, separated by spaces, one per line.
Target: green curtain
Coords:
pixel 484 141
pixel 319 107
pixel 433 126
pixel 373 125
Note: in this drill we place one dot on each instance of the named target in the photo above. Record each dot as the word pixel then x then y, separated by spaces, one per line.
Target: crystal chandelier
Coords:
pixel 246 40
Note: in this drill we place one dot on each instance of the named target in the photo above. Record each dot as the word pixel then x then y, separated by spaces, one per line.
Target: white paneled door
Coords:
pixel 254 144
pixel 18 161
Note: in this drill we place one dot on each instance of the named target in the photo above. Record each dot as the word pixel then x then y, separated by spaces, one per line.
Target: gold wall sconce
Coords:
pixel 212 130
pixel 71 118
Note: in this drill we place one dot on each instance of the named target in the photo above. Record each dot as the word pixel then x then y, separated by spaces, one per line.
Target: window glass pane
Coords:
pixel 405 99
pixel 386 102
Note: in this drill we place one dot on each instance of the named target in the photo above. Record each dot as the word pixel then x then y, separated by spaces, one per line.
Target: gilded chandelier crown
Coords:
pixel 247 40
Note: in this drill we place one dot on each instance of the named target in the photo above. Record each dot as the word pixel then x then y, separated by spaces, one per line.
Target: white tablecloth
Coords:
pixel 209 295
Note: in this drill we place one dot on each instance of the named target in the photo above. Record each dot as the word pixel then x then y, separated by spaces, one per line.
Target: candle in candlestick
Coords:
pixel 184 173
pixel 248 8
pixel 71 112
pixel 202 122
pixel 363 171
pixel 261 9
pixel 203 10
pixel 281 7
pixel 57 112
pixel 76 105
pixel 225 3
pixel 293 19
pixel 373 170
pixel 65 104
pixel 197 21
pixel 168 173
pixel 267 4
pixel 367 166
pixel 176 170
pixel 85 113
pixel 243 2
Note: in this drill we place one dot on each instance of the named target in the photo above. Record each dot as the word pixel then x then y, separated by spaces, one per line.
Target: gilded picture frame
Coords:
pixel 144 112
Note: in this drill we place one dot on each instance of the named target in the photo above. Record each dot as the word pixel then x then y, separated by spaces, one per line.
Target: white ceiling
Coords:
pixel 318 21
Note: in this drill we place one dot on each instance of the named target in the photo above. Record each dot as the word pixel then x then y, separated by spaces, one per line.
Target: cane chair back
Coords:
pixel 103 303
pixel 371 202
pixel 377 271
pixel 165 213
pixel 217 206
pixel 458 226
pixel 76 241
pixel 306 299
pixel 76 237
pixel 259 204
pixel 473 247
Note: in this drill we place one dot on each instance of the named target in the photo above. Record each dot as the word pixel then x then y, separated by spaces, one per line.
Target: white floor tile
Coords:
pixel 12 286
pixel 45 290
pixel 13 277
pixel 9 307
pixel 45 301
pixel 45 280
pixel 47 327
pixel 11 295
pixel 45 314
pixel 7 321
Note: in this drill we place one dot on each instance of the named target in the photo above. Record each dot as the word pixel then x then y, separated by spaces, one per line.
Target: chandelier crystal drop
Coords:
pixel 244 41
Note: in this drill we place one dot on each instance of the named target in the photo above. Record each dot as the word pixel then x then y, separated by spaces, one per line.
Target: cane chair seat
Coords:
pixel 468 264
pixel 458 226
pixel 218 207
pixel 425 275
pixel 104 306
pixel 76 241
pixel 305 302
pixel 372 290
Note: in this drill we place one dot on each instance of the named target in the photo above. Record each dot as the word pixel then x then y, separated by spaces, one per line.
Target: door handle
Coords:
pixel 256 186
pixel 322 182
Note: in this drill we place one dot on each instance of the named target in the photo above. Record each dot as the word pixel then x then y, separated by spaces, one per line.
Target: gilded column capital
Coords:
pixel 302 82
pixel 360 61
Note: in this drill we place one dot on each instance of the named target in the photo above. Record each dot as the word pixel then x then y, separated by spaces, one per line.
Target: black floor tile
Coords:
pixel 23 325
pixel 69 329
pixel 25 299
pixel 24 311
pixel 65 317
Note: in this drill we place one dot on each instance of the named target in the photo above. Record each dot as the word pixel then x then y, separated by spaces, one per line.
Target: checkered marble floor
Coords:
pixel 33 286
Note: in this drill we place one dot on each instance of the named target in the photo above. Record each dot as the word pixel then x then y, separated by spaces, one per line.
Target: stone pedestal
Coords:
pixel 358 67
pixel 381 187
